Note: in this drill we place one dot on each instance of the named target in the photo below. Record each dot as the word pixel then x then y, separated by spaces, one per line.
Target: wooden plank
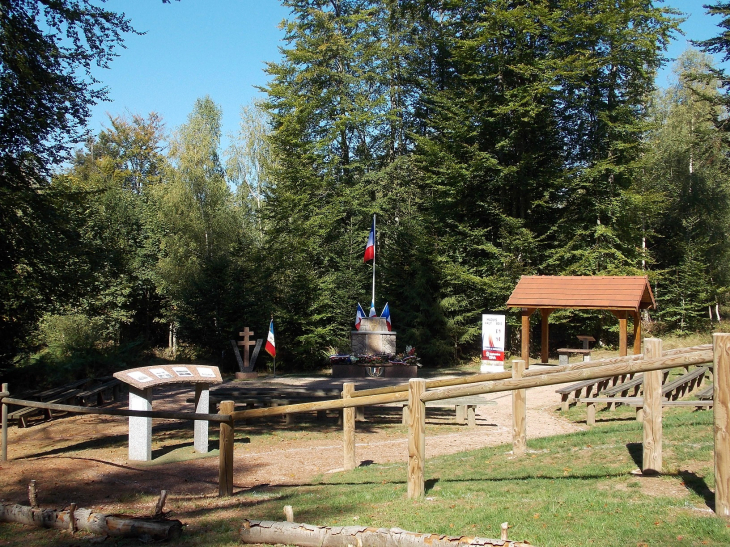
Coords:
pixel 416 439
pixel 651 462
pixel 721 372
pixel 163 414
pixel 225 446
pixel 519 411
pixel 348 428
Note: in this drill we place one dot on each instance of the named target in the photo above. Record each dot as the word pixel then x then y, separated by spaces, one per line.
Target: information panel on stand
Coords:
pixel 493 337
pixel 144 377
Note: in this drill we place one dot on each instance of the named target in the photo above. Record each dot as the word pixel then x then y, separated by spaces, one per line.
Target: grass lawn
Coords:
pixel 568 490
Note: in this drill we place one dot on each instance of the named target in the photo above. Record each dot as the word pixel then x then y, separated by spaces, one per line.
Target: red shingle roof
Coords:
pixel 587 292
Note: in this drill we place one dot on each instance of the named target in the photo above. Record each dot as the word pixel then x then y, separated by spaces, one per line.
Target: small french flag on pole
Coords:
pixel 373 313
pixel 359 315
pixel 270 343
pixel 386 315
pixel 370 247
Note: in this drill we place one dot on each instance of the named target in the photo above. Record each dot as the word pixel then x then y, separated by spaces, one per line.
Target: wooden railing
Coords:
pixel 419 391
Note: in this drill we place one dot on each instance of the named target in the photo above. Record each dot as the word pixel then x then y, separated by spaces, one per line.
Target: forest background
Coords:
pixel 493 139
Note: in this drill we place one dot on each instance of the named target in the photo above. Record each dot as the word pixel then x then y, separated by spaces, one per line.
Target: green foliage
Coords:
pixel 65 335
pixel 685 177
pixel 47 52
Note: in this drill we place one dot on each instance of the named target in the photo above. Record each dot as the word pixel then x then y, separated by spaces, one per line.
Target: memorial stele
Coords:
pixel 141 383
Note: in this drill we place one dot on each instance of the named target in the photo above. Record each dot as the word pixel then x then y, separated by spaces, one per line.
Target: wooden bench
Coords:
pixel 588 385
pixel 565 353
pixel 465 408
pixel 684 384
pixel 636 402
pixel 24 413
pixel 707 393
pixel 624 387
pixel 112 389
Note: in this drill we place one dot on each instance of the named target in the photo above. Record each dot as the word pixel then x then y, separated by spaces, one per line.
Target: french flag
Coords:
pixel 373 313
pixel 370 247
pixel 386 314
pixel 359 315
pixel 270 343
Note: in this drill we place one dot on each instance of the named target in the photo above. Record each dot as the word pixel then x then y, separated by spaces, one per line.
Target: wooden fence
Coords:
pixel 419 391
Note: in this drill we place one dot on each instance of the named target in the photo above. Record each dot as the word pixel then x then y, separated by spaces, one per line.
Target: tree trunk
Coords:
pixel 87 520
pixel 307 535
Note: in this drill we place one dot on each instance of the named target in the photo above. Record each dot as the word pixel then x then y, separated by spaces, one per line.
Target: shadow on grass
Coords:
pixel 636 451
pixel 698 485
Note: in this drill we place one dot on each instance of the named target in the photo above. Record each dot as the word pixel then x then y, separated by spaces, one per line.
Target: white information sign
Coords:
pixel 205 372
pixel 182 371
pixel 140 376
pixel 161 373
pixel 493 337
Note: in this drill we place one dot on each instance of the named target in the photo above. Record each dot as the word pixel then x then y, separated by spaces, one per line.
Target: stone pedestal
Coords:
pixel 373 338
pixel 140 429
pixel 202 406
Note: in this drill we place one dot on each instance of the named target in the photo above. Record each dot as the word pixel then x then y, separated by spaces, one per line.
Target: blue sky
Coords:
pixel 219 48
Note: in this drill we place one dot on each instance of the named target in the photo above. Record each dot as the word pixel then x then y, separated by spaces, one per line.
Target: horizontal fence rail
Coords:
pixel 163 414
pixel 495 376
pixel 677 360
pixel 334 404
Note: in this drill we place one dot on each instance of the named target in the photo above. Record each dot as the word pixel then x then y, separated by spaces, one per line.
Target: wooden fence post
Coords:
pixel 519 411
pixel 225 462
pixel 721 374
pixel 416 438
pixel 651 462
pixel 348 427
pixel 4 448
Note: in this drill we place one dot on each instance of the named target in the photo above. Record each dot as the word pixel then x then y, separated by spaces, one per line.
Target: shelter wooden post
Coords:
pixel 519 411
pixel 416 438
pixel 637 332
pixel 721 373
pixel 4 448
pixel 225 462
pixel 348 428
pixel 545 331
pixel 622 333
pixel 651 462
pixel 526 313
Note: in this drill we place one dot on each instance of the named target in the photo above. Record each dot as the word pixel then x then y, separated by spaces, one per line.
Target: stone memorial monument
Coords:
pixel 373 338
pixel 141 383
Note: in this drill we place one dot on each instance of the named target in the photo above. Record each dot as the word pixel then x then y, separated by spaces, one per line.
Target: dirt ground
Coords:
pixel 83 458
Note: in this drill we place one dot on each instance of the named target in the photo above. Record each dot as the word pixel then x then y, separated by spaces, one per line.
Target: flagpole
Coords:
pixel 375 239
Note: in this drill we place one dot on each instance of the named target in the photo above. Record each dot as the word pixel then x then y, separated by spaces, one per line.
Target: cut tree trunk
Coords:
pixel 307 535
pixel 87 520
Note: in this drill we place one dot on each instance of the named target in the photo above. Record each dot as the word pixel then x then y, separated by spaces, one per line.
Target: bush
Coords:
pixel 65 335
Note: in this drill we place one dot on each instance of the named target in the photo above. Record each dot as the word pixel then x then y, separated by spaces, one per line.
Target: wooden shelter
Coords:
pixel 624 296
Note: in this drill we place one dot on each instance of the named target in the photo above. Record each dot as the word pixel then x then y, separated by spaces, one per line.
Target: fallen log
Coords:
pixel 87 520
pixel 307 535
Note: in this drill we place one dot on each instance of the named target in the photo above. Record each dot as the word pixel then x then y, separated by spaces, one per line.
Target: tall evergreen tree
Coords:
pixel 686 167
